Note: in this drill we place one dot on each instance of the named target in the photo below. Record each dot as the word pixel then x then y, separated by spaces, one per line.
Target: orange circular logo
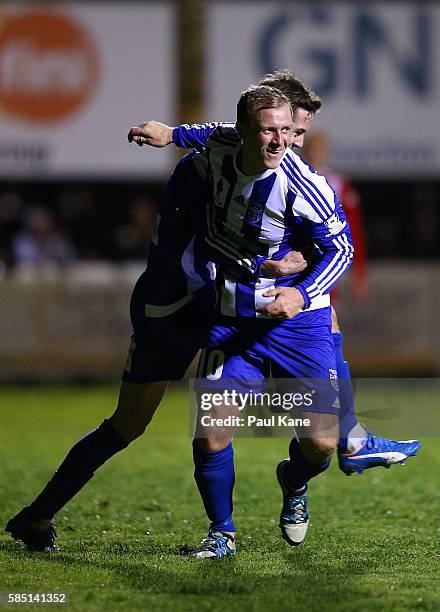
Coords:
pixel 48 66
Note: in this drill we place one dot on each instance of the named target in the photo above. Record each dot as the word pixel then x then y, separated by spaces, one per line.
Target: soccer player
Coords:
pixel 170 309
pixel 263 198
pixel 163 138
pixel 358 449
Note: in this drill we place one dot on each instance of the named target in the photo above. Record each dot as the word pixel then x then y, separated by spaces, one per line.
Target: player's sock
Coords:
pixel 77 469
pixel 214 474
pixel 351 431
pixel 300 470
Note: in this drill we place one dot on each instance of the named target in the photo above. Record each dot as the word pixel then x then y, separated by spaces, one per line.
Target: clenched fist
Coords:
pixel 151 133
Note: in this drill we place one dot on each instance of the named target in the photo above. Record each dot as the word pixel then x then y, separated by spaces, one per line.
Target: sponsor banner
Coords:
pixel 74 77
pixel 376 65
pixel 76 323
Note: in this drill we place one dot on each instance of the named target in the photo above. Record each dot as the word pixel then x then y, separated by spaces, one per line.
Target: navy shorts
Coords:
pixel 164 345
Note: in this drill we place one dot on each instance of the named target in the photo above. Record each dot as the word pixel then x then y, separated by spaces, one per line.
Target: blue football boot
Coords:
pixel 216 545
pixel 377 452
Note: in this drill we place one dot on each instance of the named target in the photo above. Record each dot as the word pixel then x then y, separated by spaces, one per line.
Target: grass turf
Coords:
pixel 373 542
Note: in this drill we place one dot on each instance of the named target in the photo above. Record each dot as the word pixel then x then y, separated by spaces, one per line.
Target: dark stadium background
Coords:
pixel 400 205
pixel 105 216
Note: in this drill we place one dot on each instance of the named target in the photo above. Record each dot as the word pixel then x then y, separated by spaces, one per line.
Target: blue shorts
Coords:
pixel 162 348
pixel 241 353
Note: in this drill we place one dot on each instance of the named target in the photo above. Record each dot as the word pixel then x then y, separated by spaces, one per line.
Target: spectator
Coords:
pixel 80 214
pixel 132 238
pixel 316 151
pixel 40 242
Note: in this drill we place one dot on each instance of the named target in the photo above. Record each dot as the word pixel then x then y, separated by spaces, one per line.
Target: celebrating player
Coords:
pixel 170 314
pixel 373 451
pixel 170 308
pixel 263 197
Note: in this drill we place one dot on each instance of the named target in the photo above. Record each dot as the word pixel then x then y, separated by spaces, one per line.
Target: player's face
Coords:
pixel 266 140
pixel 302 120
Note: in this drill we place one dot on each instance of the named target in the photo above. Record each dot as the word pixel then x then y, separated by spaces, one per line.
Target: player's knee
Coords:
pixel 319 450
pixel 129 430
pixel 212 445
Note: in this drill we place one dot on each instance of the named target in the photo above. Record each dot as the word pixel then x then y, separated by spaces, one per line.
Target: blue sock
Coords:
pixel 300 470
pixel 347 416
pixel 77 469
pixel 215 477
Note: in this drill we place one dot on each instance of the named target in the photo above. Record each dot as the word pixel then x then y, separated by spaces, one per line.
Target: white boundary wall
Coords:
pixel 76 323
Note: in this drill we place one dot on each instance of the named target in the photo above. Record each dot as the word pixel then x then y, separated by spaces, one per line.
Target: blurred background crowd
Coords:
pixel 52 224
pixel 60 224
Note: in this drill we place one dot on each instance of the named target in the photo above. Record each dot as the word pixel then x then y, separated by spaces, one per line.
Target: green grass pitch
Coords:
pixel 373 542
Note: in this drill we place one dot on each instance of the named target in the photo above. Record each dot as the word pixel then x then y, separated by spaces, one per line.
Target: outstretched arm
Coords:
pixel 184 136
pixel 151 133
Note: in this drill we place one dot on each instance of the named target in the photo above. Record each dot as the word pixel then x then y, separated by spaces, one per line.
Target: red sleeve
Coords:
pixel 353 210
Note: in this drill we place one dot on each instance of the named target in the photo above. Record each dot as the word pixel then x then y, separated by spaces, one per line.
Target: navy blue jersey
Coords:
pixel 177 262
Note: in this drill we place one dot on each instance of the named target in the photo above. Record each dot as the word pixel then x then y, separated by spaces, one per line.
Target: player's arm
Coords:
pixel 152 133
pixel 336 256
pixel 184 136
pixel 325 224
pixel 333 237
pixel 293 262
pixel 197 135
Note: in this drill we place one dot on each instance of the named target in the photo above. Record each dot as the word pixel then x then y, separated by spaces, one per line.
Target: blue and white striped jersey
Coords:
pixel 251 218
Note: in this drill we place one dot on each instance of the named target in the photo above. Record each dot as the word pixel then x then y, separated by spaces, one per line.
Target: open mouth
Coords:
pixel 273 153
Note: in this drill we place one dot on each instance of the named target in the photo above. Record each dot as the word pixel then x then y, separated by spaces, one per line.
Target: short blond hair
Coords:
pixel 255 99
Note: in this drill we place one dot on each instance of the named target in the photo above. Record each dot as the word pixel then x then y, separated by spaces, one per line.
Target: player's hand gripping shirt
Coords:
pixel 251 218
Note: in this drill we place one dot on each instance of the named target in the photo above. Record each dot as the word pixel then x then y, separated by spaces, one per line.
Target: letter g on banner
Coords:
pixel 347 48
pixel 322 59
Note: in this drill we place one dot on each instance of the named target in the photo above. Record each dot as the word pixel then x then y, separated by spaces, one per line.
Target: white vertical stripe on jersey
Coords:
pixel 228 297
pixel 194 280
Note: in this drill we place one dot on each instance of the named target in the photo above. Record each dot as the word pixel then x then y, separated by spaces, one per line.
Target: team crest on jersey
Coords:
pixel 334 379
pixel 335 384
pixel 334 225
pixel 254 213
